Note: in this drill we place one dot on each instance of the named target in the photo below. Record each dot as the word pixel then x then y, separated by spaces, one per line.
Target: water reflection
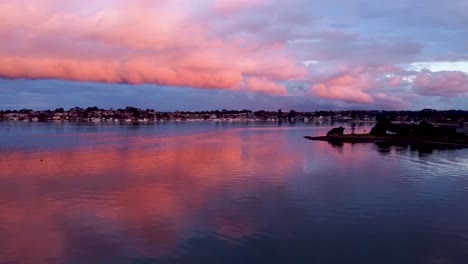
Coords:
pixel 249 194
pixel 423 150
pixel 150 197
pixel 386 149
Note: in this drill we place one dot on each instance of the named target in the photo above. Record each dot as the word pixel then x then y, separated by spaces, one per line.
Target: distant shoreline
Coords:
pixel 130 114
pixel 130 121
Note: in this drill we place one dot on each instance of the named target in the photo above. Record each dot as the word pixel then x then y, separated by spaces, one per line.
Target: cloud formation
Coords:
pixel 362 54
pixel 347 87
pixel 443 83
pixel 137 42
pixel 266 86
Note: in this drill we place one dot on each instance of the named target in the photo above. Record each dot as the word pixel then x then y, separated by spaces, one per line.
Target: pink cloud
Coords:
pixel 167 43
pixel 265 86
pixel 229 6
pixel 343 93
pixel 390 101
pixel 138 71
pixel 442 83
pixel 395 81
pixel 362 85
pixel 349 86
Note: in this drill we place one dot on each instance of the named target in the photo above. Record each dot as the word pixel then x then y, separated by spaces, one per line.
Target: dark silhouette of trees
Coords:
pixel 92 109
pixel 280 113
pixel 383 125
pixel 337 131
pixel 134 112
pixel 423 130
pixel 292 114
pixel 42 116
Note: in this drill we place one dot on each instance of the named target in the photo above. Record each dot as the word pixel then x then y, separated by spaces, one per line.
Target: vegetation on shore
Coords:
pixel 386 131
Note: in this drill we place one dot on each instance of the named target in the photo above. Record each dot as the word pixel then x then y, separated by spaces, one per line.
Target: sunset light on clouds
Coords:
pixel 259 53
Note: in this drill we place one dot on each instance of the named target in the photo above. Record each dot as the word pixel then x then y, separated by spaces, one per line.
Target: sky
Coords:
pixel 234 54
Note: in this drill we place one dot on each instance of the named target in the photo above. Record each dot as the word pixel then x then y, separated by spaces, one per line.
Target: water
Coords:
pixel 211 192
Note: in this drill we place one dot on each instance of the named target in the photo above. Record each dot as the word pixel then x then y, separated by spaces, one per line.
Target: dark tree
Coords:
pixel 337 131
pixel 383 124
pixel 292 114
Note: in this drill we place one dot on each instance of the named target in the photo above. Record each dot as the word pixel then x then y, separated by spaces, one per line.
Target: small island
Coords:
pixel 422 133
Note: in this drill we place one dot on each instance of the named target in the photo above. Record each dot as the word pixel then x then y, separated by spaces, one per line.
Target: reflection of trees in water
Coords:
pixel 423 150
pixel 427 150
pixel 337 144
pixel 385 148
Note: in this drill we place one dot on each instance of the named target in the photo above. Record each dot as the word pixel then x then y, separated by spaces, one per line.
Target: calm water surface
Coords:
pixel 225 193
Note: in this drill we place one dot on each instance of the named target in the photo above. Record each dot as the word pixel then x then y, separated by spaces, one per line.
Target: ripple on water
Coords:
pixel 248 194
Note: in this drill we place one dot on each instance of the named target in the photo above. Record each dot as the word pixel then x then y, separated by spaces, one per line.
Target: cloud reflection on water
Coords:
pixel 245 191
pixel 151 197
